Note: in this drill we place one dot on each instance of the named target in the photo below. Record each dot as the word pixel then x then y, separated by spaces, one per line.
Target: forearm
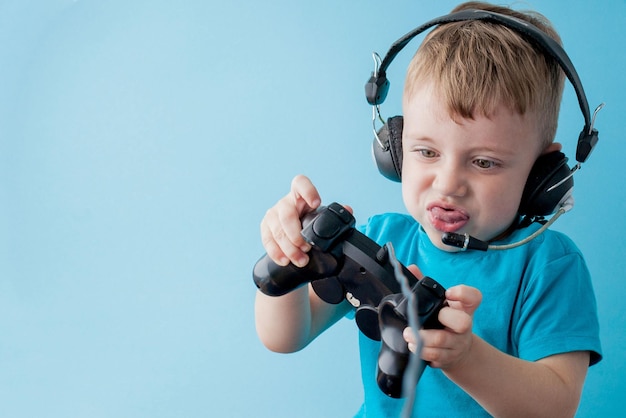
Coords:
pixel 283 322
pixel 290 322
pixel 507 386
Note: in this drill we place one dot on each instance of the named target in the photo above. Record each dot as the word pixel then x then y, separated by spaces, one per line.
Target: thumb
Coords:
pixel 415 271
pixel 465 298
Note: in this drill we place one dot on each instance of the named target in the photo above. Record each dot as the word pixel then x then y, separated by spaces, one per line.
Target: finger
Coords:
pixel 348 208
pixel 305 195
pixel 435 338
pixel 435 346
pixel 288 226
pixel 436 357
pixel 270 245
pixel 410 339
pixel 409 336
pixel 303 198
pixel 443 348
pixel 287 236
pixel 415 271
pixel 465 298
pixel 282 226
pixel 277 244
pixel 455 320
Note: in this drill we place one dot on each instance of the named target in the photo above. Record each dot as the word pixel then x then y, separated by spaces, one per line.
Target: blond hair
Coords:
pixel 477 66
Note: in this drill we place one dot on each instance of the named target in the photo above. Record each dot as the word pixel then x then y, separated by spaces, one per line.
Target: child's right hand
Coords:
pixel 281 226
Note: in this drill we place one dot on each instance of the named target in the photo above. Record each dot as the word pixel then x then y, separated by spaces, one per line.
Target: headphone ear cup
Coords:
pixel 388 158
pixel 549 170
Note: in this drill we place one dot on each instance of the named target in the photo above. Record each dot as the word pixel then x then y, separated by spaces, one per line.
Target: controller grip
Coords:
pixel 275 280
pixel 394 354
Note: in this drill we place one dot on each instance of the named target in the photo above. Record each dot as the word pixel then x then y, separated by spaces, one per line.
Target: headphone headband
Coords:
pixel 377 87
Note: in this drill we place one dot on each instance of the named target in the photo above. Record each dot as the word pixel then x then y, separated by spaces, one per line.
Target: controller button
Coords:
pixel 326 227
pixel 341 212
pixel 353 300
pixel 366 318
pixel 433 287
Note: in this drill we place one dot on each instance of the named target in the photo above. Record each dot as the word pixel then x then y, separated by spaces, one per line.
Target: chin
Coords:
pixel 447 248
pixel 435 239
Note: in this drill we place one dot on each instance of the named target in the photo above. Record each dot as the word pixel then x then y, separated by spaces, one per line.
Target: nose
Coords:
pixel 450 179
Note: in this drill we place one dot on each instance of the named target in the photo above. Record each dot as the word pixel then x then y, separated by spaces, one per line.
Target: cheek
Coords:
pixel 408 193
pixel 414 192
pixel 414 182
pixel 505 199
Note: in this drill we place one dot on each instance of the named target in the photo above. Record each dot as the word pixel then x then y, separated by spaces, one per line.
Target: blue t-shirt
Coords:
pixel 538 301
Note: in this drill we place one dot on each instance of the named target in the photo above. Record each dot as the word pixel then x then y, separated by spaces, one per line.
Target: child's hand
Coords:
pixel 449 347
pixel 281 226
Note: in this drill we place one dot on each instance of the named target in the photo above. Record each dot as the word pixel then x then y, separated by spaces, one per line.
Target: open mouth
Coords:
pixel 447 218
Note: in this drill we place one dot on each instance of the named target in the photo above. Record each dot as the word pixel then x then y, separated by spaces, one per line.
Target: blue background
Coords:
pixel 141 143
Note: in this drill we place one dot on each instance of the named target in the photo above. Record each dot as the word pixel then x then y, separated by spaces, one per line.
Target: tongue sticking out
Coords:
pixel 447 220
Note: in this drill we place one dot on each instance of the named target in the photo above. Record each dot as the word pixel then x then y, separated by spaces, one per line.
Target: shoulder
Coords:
pixel 553 262
pixel 558 311
pixel 554 245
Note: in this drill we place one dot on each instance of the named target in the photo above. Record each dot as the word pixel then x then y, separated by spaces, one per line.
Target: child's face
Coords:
pixel 468 175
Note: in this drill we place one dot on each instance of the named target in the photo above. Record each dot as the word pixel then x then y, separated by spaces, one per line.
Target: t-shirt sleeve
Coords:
pixel 558 311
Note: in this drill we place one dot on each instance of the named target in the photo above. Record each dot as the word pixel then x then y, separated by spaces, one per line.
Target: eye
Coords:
pixel 426 153
pixel 485 164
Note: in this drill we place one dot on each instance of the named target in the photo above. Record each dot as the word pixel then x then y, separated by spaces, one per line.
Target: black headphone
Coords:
pixel 550 181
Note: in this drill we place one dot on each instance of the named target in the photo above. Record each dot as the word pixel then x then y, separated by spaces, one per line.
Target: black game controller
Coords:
pixel 344 263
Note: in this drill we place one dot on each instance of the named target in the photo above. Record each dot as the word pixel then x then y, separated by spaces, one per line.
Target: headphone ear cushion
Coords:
pixel 549 170
pixel 388 158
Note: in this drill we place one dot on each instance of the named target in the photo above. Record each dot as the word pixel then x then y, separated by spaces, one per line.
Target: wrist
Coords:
pixel 464 361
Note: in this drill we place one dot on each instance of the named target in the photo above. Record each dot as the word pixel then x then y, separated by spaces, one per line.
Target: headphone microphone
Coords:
pixel 468 242
pixel 548 189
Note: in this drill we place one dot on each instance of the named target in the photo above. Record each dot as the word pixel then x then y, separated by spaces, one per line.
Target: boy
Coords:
pixel 480 105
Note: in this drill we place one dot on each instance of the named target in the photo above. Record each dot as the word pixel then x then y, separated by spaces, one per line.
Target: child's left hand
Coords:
pixel 449 347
